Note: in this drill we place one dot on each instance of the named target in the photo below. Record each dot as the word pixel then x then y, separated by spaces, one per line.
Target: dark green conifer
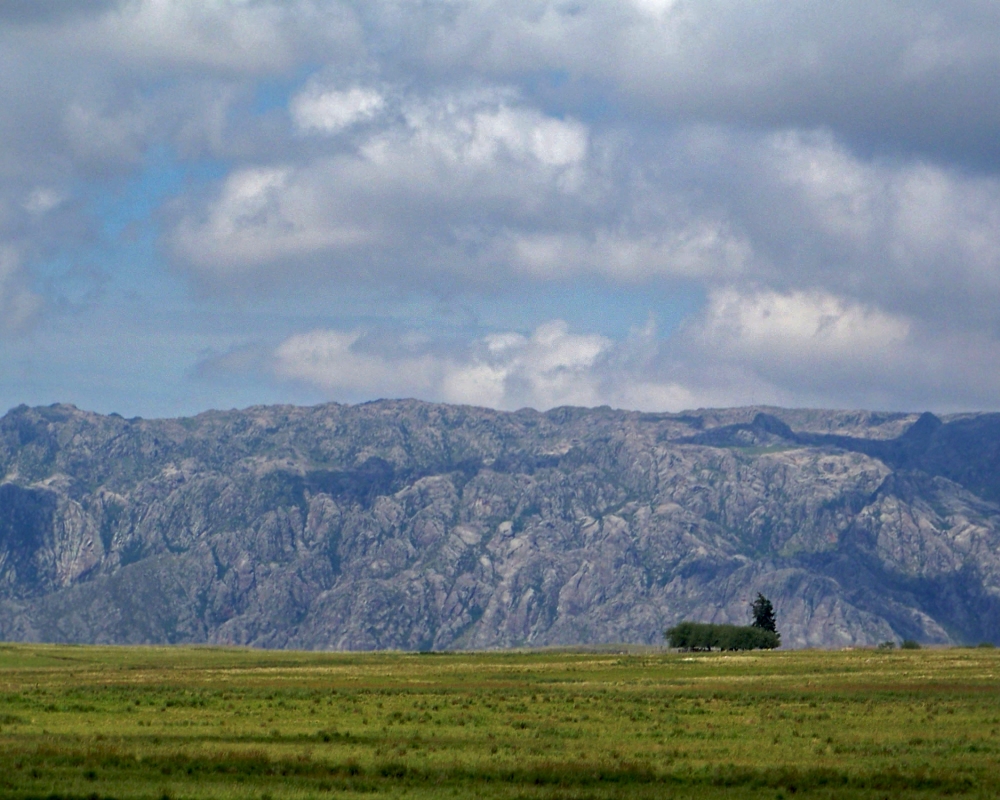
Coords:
pixel 763 614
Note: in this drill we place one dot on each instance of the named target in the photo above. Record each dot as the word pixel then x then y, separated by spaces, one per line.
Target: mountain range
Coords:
pixel 419 526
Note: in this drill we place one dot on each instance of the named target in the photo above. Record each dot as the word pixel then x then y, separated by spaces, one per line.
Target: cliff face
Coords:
pixel 411 525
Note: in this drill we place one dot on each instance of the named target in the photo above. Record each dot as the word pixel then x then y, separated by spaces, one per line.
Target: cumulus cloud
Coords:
pixel 808 326
pixel 42 199
pixel 912 236
pixel 794 348
pixel 701 249
pixel 802 343
pixel 474 188
pixel 551 366
pixel 814 348
pixel 825 177
pixel 521 134
pixel 265 215
pixel 105 137
pixel 441 169
pixel 905 75
pixel 225 36
pixel 316 110
pixel 765 346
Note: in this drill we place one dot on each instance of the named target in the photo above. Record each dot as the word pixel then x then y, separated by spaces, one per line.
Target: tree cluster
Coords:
pixel 705 636
pixel 761 634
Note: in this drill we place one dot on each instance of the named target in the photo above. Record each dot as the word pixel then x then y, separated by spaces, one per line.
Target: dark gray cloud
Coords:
pixel 909 77
pixel 47 11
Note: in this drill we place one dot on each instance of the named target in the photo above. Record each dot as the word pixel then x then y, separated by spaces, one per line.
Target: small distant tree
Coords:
pixel 763 614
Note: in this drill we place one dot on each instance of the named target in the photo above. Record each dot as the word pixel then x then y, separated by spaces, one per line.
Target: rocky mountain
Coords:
pixel 411 525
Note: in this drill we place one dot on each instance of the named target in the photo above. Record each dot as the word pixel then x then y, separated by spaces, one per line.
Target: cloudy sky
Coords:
pixel 651 204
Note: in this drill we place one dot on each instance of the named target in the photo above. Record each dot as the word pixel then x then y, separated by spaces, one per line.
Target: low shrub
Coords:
pixel 706 636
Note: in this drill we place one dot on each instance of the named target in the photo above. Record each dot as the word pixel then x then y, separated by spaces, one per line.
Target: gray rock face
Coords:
pixel 411 525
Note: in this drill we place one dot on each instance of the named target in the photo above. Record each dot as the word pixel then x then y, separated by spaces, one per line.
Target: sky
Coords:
pixel 648 204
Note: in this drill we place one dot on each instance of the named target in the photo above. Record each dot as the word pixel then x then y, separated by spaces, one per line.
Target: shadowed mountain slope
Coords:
pixel 402 524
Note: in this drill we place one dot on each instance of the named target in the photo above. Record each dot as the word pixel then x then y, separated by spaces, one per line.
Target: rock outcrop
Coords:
pixel 401 524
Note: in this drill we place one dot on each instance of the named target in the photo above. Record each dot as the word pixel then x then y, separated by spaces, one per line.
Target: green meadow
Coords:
pixel 143 722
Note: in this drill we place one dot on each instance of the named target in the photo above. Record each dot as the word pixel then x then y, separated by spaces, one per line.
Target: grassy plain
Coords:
pixel 102 722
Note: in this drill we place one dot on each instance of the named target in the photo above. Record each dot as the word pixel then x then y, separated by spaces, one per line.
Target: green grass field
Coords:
pixel 219 723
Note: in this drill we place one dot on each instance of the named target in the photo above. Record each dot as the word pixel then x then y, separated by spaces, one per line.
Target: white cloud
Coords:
pixel 440 169
pixel 795 349
pixel 225 35
pixel 827 179
pixel 480 129
pixel 263 215
pixel 906 73
pixel 550 367
pixel 475 186
pixel 330 111
pixel 946 231
pixel 113 137
pixel 702 249
pixel 43 199
pixel 842 192
pixel 525 133
pixel 809 348
pixel 330 359
pixel 911 235
pixel 767 327
pixel 655 8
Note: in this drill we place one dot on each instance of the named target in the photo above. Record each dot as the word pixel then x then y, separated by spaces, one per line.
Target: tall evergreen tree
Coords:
pixel 763 614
